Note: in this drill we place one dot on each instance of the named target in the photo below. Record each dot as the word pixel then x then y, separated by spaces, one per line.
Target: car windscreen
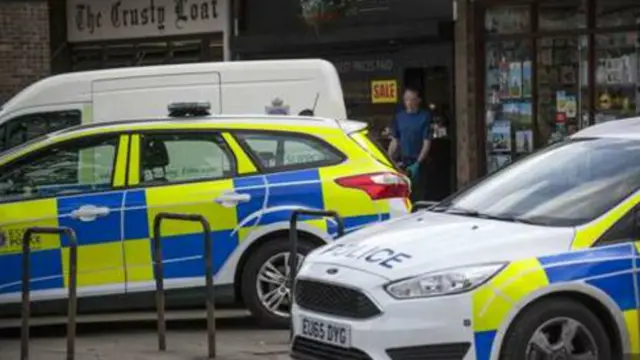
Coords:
pixel 567 184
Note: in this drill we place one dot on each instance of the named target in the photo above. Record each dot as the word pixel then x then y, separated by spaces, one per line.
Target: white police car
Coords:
pixel 537 261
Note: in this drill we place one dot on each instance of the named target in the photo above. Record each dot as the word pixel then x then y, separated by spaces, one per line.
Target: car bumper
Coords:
pixel 426 329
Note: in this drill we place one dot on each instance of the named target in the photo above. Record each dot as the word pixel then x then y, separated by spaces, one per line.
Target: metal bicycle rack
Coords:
pixel 26 291
pixel 421 205
pixel 293 243
pixel 159 278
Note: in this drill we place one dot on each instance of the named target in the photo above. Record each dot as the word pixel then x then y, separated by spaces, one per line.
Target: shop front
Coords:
pixel 551 68
pixel 102 34
pixel 378 47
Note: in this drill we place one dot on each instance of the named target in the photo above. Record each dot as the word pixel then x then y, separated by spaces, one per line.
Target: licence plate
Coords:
pixel 325 331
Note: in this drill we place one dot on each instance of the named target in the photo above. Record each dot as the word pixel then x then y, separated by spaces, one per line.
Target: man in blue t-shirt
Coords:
pixel 411 134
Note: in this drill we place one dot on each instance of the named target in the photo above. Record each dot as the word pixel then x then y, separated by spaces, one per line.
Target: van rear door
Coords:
pixel 138 97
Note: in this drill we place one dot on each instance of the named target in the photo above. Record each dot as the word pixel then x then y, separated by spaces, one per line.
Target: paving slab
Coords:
pixel 138 341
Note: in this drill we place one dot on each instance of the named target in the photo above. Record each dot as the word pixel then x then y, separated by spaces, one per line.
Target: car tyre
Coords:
pixel 273 251
pixel 562 318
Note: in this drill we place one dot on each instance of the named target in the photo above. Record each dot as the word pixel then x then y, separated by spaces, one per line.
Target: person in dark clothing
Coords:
pixel 411 140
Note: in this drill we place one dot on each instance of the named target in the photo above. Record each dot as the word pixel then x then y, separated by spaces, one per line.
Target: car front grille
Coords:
pixel 334 300
pixel 455 351
pixel 304 349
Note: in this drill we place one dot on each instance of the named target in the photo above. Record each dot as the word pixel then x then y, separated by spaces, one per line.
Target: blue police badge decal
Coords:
pixel 277 107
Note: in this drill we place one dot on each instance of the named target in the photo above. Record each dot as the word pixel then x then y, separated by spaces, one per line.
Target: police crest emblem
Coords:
pixel 277 107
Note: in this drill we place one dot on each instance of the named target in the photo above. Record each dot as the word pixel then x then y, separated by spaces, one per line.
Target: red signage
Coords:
pixel 561 118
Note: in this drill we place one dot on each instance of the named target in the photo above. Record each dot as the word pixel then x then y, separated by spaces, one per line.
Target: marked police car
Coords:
pixel 245 174
pixel 537 261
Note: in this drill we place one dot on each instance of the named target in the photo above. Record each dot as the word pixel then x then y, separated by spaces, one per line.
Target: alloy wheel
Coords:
pixel 562 339
pixel 272 284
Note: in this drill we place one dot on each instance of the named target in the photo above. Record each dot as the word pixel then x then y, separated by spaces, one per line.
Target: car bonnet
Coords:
pixel 428 241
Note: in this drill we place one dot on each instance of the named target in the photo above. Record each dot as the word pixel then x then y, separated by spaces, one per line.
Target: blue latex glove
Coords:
pixel 414 169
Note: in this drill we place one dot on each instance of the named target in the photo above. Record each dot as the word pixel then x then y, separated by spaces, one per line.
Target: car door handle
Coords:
pixel 232 199
pixel 90 212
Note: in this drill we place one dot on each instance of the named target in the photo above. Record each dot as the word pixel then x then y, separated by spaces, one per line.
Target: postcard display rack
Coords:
pixel 562 87
pixel 508 107
pixel 617 92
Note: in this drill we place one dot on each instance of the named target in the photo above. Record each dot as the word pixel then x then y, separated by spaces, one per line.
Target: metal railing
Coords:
pixel 72 308
pixel 159 278
pixel 293 243
pixel 422 205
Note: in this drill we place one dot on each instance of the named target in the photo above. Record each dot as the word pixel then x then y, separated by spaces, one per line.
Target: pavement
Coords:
pixel 237 338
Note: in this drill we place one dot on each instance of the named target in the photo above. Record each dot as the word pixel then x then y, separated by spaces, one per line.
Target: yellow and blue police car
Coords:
pixel 538 261
pixel 245 174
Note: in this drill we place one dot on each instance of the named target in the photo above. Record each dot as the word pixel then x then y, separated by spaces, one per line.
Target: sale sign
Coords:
pixel 384 91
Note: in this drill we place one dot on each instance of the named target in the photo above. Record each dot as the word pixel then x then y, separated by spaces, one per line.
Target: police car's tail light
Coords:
pixel 378 185
pixel 444 282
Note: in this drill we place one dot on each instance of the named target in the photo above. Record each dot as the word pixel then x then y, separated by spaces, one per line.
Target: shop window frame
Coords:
pixel 533 35
pixel 206 53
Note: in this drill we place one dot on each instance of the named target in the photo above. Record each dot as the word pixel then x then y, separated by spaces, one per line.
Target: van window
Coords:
pixel 283 151
pixel 27 127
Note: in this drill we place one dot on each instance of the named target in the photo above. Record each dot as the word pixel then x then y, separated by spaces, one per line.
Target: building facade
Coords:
pixel 546 69
pixel 24 45
pixel 377 46
pixel 99 34
pixel 506 76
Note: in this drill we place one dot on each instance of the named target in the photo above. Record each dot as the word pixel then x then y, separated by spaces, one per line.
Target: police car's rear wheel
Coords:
pixel 557 329
pixel 265 289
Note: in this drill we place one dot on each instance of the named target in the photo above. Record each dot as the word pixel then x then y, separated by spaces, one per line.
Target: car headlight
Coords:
pixel 443 282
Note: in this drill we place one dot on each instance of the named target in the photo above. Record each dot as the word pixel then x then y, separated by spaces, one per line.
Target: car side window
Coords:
pixel 76 167
pixel 3 135
pixel 27 127
pixel 624 230
pixel 276 151
pixel 175 158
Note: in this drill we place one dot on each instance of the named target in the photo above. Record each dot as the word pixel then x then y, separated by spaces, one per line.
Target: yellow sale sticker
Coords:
pixel 384 91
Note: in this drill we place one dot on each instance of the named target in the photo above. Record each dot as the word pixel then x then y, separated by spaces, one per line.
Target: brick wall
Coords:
pixel 24 45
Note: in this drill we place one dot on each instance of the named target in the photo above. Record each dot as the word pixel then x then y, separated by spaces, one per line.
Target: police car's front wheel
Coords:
pixel 265 286
pixel 556 329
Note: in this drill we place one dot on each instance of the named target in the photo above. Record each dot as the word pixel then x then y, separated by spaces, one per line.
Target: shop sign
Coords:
pixel 384 91
pixel 92 20
pixel 364 66
pixel 561 118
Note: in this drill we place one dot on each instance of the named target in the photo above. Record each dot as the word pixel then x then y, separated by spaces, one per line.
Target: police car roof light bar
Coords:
pixel 186 109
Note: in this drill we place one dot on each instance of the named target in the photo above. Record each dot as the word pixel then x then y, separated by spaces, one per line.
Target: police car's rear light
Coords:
pixel 378 186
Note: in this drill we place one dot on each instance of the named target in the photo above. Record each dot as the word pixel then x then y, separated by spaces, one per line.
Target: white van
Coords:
pixel 242 87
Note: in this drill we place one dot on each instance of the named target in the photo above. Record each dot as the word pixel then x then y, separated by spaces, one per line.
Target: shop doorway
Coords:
pixel 434 85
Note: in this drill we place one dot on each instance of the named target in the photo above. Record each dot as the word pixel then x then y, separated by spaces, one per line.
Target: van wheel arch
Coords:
pixel 256 244
pixel 597 308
